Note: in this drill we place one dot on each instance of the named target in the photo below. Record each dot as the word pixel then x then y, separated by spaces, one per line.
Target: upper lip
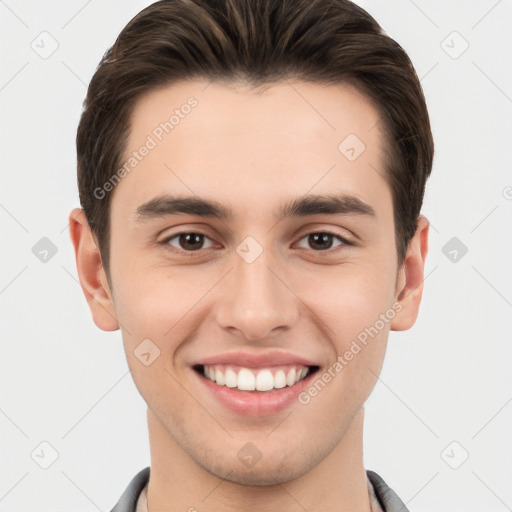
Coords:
pixel 252 360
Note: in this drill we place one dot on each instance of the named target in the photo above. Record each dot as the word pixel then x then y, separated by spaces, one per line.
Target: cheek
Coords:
pixel 356 313
pixel 158 310
pixel 350 299
pixel 150 301
pixel 156 315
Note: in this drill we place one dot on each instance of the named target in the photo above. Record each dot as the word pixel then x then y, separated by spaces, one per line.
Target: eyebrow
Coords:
pixel 300 207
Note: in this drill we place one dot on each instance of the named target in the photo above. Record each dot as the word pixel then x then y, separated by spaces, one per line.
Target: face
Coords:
pixel 272 273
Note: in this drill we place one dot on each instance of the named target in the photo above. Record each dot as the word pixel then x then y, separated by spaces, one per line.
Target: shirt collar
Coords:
pixel 382 497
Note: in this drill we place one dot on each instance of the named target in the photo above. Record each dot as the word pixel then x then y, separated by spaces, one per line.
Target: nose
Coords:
pixel 256 299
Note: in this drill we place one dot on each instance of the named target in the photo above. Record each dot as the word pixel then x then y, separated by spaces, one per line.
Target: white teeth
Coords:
pixel 264 380
pixel 290 378
pixel 219 378
pixel 250 379
pixel 301 374
pixel 279 379
pixel 246 380
pixel 231 378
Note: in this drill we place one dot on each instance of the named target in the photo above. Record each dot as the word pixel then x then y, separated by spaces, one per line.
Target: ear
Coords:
pixel 410 278
pixel 91 272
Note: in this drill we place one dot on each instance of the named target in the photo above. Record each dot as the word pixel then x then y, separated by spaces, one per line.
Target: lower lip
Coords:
pixel 255 403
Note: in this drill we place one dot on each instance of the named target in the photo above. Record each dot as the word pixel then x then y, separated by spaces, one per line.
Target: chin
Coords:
pixel 263 474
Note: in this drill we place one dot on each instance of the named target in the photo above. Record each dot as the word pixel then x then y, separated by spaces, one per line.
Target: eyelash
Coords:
pixel 182 252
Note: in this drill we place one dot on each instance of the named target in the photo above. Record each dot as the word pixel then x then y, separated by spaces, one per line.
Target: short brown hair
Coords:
pixel 258 42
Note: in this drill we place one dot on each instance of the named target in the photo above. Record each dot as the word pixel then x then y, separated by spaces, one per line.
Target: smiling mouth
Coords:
pixel 255 379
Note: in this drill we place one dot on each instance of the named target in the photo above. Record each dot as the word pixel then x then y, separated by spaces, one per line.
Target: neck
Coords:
pixel 338 483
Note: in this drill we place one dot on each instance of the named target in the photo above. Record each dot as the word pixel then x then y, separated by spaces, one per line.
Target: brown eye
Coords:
pixel 322 241
pixel 187 241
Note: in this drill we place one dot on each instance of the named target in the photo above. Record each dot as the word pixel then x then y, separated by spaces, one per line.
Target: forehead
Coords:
pixel 240 144
pixel 303 109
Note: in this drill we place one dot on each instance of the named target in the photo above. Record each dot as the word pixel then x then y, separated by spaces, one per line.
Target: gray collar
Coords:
pixel 387 498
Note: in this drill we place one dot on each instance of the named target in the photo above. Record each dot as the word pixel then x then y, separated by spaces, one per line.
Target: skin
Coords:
pixel 253 151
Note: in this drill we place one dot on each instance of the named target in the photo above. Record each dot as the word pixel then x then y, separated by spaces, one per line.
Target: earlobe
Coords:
pixel 410 280
pixel 91 272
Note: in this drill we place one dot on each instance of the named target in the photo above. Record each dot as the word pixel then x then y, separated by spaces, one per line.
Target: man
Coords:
pixel 251 175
